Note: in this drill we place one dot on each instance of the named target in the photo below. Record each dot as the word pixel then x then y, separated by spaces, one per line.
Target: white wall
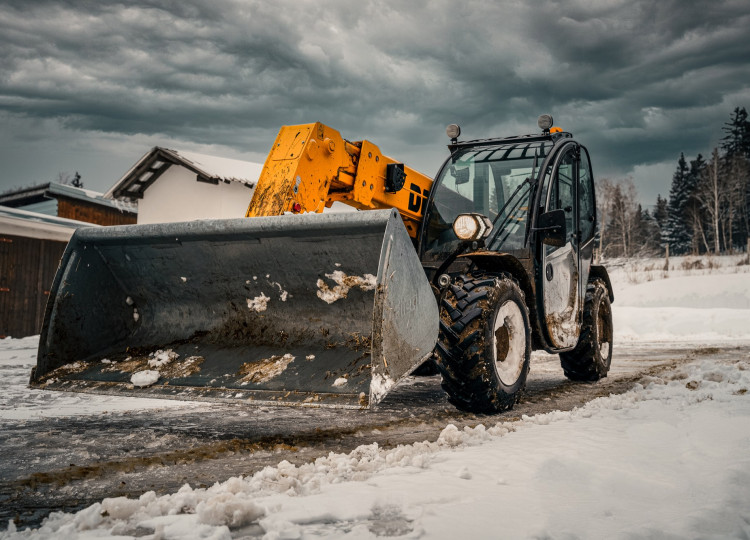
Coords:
pixel 177 196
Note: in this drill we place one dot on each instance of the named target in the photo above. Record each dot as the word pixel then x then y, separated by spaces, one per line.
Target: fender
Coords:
pixel 599 272
pixel 520 269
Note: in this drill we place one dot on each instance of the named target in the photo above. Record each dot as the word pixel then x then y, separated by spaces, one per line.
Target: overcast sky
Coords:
pixel 90 85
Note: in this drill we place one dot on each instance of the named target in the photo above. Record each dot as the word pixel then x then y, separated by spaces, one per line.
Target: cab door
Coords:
pixel 586 218
pixel 561 275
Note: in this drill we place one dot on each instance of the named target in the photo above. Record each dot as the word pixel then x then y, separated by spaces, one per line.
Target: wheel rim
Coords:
pixel 603 333
pixel 509 342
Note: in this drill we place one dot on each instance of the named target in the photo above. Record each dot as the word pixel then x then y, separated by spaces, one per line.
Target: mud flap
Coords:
pixel 314 309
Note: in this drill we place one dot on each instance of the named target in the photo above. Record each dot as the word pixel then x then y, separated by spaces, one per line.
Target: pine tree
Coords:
pixel 649 233
pixel 677 233
pixel 693 212
pixel 736 166
pixel 737 139
pixel 76 182
pixel 661 215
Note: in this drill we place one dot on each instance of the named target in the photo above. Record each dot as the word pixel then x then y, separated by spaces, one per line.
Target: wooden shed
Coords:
pixel 31 245
pixel 70 202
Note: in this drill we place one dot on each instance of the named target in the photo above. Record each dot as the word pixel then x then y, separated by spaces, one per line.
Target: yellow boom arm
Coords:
pixel 311 166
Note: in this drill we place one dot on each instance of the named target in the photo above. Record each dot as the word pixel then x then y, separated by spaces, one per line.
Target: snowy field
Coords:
pixel 668 459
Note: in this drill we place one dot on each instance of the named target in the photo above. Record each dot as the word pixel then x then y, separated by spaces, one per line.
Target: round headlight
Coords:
pixel 453 131
pixel 544 122
pixel 466 227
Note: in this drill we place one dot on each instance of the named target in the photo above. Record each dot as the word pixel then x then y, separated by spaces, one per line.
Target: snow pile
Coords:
pixel 144 378
pixel 698 308
pixel 344 283
pixel 162 358
pixel 259 303
pixel 380 385
pixel 667 459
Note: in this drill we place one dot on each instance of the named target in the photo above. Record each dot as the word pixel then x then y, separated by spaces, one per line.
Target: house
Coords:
pixel 171 185
pixel 70 202
pixel 31 245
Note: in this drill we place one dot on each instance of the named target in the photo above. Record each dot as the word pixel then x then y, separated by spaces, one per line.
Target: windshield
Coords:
pixel 490 180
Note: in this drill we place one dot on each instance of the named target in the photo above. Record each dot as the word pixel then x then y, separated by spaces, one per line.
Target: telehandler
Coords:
pixel 467 274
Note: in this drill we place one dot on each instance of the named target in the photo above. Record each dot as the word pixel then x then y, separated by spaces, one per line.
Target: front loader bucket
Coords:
pixel 316 309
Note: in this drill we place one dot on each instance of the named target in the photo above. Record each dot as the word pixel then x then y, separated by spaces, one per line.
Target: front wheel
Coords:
pixel 592 356
pixel 484 346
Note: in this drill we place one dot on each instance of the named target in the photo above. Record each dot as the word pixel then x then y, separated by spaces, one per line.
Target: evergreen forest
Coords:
pixel 707 211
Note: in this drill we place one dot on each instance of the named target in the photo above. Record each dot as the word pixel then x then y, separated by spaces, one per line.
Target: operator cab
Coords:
pixel 494 180
pixel 537 191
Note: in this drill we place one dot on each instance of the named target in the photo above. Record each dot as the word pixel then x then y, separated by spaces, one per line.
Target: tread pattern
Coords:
pixel 585 363
pixel 467 311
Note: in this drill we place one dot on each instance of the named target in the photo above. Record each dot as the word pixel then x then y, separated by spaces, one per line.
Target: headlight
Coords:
pixel 545 122
pixel 472 226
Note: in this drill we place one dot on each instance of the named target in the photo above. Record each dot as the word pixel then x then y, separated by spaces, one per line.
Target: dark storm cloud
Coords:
pixel 640 79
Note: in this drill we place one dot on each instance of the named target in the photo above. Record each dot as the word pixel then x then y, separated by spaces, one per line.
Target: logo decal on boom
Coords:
pixel 417 198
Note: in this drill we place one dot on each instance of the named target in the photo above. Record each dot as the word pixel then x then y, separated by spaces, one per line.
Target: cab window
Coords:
pixel 587 209
pixel 491 181
pixel 562 191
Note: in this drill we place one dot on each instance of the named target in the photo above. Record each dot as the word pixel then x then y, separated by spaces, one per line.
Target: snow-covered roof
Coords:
pixel 18 222
pixel 50 190
pixel 156 161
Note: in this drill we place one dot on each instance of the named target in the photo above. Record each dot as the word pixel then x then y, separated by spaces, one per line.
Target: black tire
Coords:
pixel 470 341
pixel 591 358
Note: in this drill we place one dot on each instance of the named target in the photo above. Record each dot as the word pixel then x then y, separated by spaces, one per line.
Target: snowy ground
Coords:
pixel 667 459
pixel 18 356
pixel 699 299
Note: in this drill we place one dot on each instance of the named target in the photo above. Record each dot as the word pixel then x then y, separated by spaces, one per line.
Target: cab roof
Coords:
pixel 536 137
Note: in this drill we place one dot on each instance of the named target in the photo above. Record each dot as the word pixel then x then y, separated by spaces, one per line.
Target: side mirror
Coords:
pixel 552 226
pixel 461 175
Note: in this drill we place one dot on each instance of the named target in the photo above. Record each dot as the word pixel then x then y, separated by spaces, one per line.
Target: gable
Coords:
pixel 207 169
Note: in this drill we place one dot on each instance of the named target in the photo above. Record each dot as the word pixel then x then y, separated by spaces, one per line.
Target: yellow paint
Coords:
pixel 324 168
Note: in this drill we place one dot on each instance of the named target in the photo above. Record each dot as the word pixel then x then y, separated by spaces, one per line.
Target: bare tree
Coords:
pixel 604 192
pixel 710 194
pixel 63 178
pixel 695 215
pixel 624 215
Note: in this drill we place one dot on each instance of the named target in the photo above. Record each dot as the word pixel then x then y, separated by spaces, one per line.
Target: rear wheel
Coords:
pixel 591 358
pixel 485 343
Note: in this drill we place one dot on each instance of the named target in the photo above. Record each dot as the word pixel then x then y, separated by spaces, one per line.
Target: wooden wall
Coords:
pixel 27 269
pixel 93 213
